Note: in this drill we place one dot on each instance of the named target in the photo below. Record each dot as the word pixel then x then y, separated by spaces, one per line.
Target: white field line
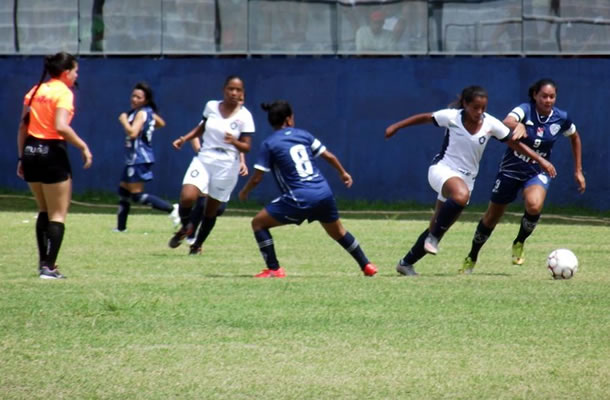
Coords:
pixel 573 218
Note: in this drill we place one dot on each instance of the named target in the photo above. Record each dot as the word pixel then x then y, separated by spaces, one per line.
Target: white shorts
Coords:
pixel 439 173
pixel 216 180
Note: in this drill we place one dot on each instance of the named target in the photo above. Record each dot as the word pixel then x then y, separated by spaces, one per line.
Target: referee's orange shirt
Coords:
pixel 51 95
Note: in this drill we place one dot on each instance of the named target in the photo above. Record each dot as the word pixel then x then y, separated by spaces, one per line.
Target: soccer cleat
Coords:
pixel 179 236
pixel 174 216
pixel 518 253
pixel 47 273
pixel 405 269
pixel 190 239
pixel 431 244
pixel 369 269
pixel 270 273
pixel 467 266
pixel 194 250
pixel 117 230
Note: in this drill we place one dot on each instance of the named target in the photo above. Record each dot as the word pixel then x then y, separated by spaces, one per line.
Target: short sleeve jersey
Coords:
pixel 461 150
pixel 50 96
pixel 542 132
pixel 139 149
pixel 239 123
pixel 289 154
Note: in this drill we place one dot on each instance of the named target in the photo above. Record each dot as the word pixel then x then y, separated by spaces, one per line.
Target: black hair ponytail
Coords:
pixel 535 88
pixel 277 112
pixel 468 95
pixel 148 93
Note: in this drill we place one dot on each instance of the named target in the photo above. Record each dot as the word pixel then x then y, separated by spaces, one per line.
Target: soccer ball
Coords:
pixel 562 263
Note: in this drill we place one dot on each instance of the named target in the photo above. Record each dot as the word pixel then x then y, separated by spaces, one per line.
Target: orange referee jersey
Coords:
pixel 51 95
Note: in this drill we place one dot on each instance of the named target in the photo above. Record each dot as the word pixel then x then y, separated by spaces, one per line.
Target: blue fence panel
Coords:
pixel 345 102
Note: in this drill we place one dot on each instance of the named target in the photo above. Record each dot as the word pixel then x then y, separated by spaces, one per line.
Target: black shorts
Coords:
pixel 45 160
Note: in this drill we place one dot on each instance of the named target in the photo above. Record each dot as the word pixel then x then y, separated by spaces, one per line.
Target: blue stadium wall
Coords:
pixel 345 102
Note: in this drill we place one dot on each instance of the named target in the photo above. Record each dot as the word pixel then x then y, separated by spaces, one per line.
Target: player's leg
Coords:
pixel 261 223
pixel 503 193
pixel 140 174
pixel 207 223
pixel 457 195
pixel 57 197
pixel 534 195
pixel 42 223
pixel 196 216
pixel 194 184
pixel 485 227
pixel 124 207
pixel 336 231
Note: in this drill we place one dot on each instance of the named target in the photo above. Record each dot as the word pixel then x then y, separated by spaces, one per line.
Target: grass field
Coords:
pixel 137 320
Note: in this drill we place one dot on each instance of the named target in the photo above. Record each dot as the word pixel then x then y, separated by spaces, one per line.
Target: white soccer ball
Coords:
pixel 562 263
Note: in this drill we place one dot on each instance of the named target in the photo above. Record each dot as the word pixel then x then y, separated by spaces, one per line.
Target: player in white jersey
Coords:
pixel 544 124
pixel 454 170
pixel 226 127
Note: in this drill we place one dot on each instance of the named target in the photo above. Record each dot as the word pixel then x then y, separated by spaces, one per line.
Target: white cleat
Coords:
pixel 175 216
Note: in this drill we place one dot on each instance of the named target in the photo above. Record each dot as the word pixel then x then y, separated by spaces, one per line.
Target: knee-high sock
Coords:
pixel 480 237
pixel 417 251
pixel 55 234
pixel 207 224
pixel 447 215
pixel 528 224
pixel 349 243
pixel 265 245
pixel 197 212
pixel 153 201
pixel 42 223
pixel 185 214
pixel 124 206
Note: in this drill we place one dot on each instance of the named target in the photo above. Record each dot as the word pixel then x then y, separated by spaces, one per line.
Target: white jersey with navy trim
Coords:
pixel 139 149
pixel 542 132
pixel 461 150
pixel 237 124
pixel 289 153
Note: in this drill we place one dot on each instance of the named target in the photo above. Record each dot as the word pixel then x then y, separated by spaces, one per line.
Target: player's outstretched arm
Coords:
pixel 159 122
pixel 334 161
pixel 525 150
pixel 577 154
pixel 254 180
pixel 416 119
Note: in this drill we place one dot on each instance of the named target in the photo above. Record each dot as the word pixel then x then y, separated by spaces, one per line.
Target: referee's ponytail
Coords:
pixel 277 112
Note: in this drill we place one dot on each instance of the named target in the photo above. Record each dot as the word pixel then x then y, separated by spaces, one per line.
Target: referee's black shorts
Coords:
pixel 45 160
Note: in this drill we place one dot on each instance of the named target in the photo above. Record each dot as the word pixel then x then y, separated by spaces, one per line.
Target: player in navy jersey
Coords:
pixel 226 128
pixel 453 171
pixel 139 124
pixel 289 154
pixel 544 124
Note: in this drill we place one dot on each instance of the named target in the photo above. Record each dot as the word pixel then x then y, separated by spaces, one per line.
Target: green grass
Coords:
pixel 137 320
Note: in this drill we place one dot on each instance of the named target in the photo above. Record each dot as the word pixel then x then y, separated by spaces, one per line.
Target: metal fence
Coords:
pixel 308 27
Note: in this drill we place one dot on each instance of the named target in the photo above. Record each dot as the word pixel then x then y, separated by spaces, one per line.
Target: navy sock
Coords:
pixel 124 206
pixel 349 243
pixel 153 201
pixel 55 234
pixel 265 245
pixel 197 212
pixel 42 223
pixel 417 251
pixel 447 215
pixel 528 224
pixel 480 237
pixel 207 224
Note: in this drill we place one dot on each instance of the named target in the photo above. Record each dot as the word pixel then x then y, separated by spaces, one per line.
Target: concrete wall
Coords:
pixel 345 102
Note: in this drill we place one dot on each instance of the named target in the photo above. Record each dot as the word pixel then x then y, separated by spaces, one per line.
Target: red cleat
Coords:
pixel 369 270
pixel 270 273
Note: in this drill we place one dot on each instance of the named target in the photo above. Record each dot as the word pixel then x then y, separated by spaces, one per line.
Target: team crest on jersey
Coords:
pixel 554 128
pixel 235 124
pixel 482 140
pixel 194 173
pixel 540 131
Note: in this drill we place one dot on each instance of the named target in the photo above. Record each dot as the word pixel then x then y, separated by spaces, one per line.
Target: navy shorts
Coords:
pixel 505 189
pixel 45 160
pixel 287 211
pixel 137 173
